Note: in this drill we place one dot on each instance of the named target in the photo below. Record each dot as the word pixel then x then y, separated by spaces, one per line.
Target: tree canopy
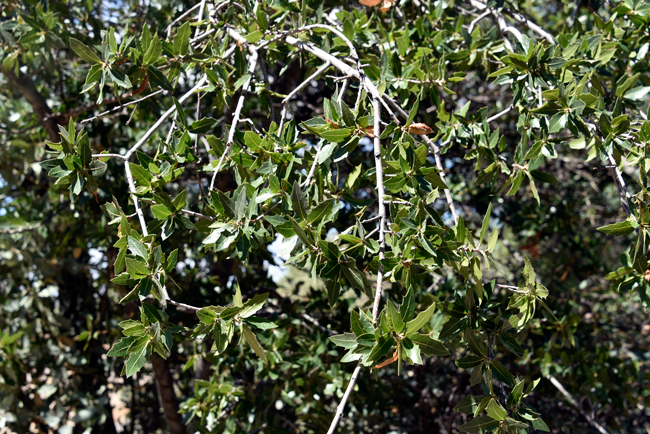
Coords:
pixel 318 216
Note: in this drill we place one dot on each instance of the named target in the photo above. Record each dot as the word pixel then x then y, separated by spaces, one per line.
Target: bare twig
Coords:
pixel 132 189
pixel 252 62
pixel 518 16
pixel 197 87
pixel 121 157
pixel 168 30
pixel 572 400
pixel 312 170
pixel 285 102
pixel 120 107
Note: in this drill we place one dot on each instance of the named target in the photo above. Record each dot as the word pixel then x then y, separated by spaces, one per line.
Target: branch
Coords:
pixel 252 62
pixel 23 84
pixel 126 104
pixel 168 30
pixel 572 400
pixel 518 16
pixel 132 189
pixel 285 102
pixel 197 87
pixel 382 248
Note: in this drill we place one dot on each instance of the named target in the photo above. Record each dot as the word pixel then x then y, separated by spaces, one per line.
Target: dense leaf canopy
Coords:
pixel 301 216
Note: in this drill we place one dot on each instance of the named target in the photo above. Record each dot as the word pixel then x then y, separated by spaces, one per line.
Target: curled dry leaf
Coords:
pixel 334 125
pixel 370 131
pixel 420 129
pixel 370 2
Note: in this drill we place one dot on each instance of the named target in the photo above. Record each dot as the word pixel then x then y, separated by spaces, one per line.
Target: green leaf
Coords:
pixel 260 323
pixel 321 211
pixel 152 314
pixel 239 83
pixel 345 340
pixel 250 337
pixel 137 248
pixel 502 373
pixel 479 425
pixel 492 241
pixel 136 360
pixel 420 321
pixel 158 78
pixel 394 317
pixel 380 349
pixel 429 346
pixel 468 362
pixel 154 52
pixel 299 202
pixel 469 404
pixel 495 411
pixel 84 52
pixel 333 290
pixel 486 223
pixel 140 174
pixel 637 94
pixel 475 344
pixel 356 278
pixel 136 268
pixel 618 229
pixel 207 315
pixel 120 349
pixel 202 126
pixel 338 135
pixel 182 39
pixel 253 305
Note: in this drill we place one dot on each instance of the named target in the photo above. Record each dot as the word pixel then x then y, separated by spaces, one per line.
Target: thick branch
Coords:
pixel 166 395
pixel 26 87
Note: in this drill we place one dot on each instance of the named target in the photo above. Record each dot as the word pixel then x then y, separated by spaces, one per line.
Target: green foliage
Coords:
pixel 406 164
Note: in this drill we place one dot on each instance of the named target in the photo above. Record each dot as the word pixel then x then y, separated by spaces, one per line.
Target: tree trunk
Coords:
pixel 166 395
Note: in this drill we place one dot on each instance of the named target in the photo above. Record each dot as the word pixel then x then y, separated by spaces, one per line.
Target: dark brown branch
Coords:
pixel 27 89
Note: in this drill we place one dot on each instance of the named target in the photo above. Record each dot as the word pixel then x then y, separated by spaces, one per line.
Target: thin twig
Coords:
pixel 285 101
pixel 168 30
pixel 572 400
pixel 197 87
pixel 121 157
pixel 126 104
pixel 132 189
pixel 312 170
pixel 252 62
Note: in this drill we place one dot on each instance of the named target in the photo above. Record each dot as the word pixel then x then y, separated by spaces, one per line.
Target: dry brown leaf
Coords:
pixel 334 125
pixel 420 129
pixel 370 3
pixel 370 131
